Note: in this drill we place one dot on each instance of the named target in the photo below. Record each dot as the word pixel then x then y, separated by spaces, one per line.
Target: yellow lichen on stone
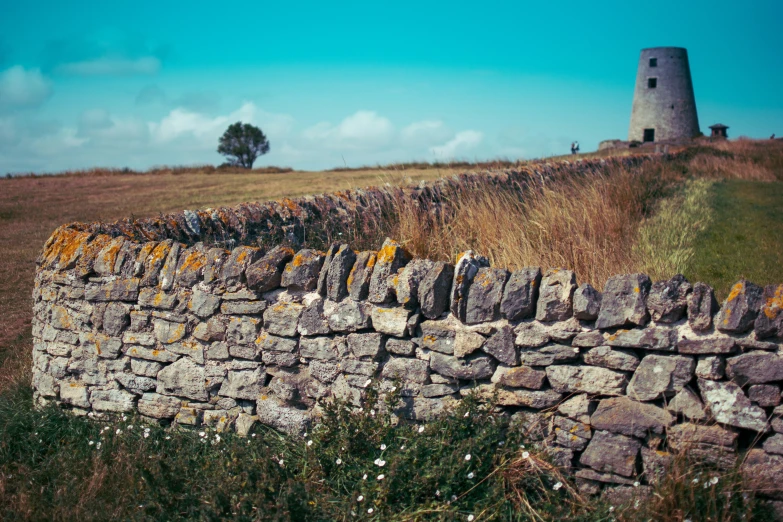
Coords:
pixel 387 253
pixel 735 291
pixel 774 304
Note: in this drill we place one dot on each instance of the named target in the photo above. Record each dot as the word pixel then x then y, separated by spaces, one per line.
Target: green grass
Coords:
pixel 745 237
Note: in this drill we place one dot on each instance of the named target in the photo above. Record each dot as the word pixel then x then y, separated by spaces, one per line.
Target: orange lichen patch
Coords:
pixel 349 281
pixel 192 262
pixel 90 252
pixel 429 339
pixel 158 299
pixel 108 255
pixel 66 249
pixel 387 253
pixel 636 290
pixel 157 256
pixel 291 205
pixel 279 308
pixel 736 290
pixel 371 261
pixel 459 256
pixel 155 353
pixel 298 260
pixel 774 304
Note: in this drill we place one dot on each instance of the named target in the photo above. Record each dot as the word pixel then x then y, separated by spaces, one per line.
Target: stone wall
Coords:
pixel 611 382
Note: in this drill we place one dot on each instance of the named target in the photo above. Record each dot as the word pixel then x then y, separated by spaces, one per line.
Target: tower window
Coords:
pixel 649 135
pixel 652 83
pixel 653 62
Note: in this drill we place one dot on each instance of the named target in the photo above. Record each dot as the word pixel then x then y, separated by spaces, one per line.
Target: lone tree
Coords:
pixel 242 143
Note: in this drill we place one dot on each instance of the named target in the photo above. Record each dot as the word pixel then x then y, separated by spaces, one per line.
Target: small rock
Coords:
pixel 366 345
pixel 243 329
pixel 763 473
pixel 710 367
pixel 612 453
pixel 358 282
pixel 158 406
pixel 406 369
pixel 709 345
pixel 659 376
pixel 236 264
pixel 702 305
pixel 407 280
pixel 282 319
pixel 588 339
pixel 548 355
pixel 769 322
pixel 765 395
pixel 437 336
pixel 484 295
pixel 501 346
pixel 347 315
pixel 523 377
pixel 531 335
pixel 608 357
pixel 203 304
pixel 473 368
pixel 167 332
pixel 245 384
pixel 116 318
pixel 434 290
pixel 628 417
pixel 266 274
pixel 659 338
pixel 465 343
pixel 400 347
pixel 390 258
pixel 688 404
pixel 183 378
pixel 774 444
pixel 391 321
pixel 301 273
pixel 313 320
pixel 579 408
pixel 338 270
pixel 588 379
pixel 118 401
pixel 755 368
pixel 730 406
pixel 467 267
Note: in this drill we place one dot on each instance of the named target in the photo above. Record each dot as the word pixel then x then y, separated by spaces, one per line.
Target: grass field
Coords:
pixel 714 215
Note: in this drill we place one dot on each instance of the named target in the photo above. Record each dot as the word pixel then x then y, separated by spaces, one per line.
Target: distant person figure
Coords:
pixel 573 147
pixel 772 137
pixel 576 147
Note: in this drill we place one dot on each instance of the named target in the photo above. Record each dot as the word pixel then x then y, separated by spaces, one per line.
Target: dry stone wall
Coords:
pixel 612 383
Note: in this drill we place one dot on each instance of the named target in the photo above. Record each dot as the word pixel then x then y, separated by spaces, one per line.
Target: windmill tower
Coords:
pixel 664 107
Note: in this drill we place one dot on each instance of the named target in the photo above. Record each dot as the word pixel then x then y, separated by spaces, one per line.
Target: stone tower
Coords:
pixel 664 107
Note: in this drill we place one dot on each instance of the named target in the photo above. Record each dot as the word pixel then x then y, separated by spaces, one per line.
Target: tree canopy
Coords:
pixel 242 144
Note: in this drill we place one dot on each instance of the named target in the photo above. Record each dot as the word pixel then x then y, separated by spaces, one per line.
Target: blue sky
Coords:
pixel 140 83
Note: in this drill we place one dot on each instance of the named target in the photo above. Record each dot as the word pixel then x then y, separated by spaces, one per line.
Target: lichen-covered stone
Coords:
pixel 472 368
pixel 320 348
pixel 283 318
pixel 145 368
pixel 118 401
pixel 628 417
pixel 555 353
pixel 592 476
pixel 366 344
pixel 536 399
pixel 101 345
pixel 763 473
pixel 466 342
pixel 134 383
pixel 437 336
pixel 531 335
pixel 439 390
pixel 500 345
pixel 168 332
pixel 242 329
pixel 687 404
pixel 313 320
pixel 624 301
pixel 769 322
pixel 765 395
pixel 273 412
pixel 484 295
pixel 729 405
pixel 347 315
pixel 579 408
pixel 755 368
pixel 522 377
pixel 335 273
pixel 611 358
pixel 739 310
pixel 162 356
pixel 588 379
pixel 668 300
pixel 587 302
pixel 211 330
pixel 190 266
pixel 660 375
pixel 466 269
pixel 434 290
pixel 183 378
pixel 706 346
pixel 405 283
pixel 234 266
pixel 116 318
pixel 75 394
pixel 245 384
pixel 156 298
pixel 406 369
pixel 203 304
pixel 390 258
pixel 612 453
pixel 358 282
pixel 266 274
pixel 555 299
pixel 710 367
pixel 400 347
pixel 301 273
pixel 589 339
pixel 117 290
pixel 521 294
pixel 153 260
pixel 391 321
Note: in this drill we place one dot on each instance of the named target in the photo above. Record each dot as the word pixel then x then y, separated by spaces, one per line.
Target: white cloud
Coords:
pixel 424 133
pixel 461 143
pixel 108 66
pixel 23 88
pixel 362 130
pixel 56 143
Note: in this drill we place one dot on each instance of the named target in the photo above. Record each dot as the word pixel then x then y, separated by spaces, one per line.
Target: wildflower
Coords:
pixel 402 447
pixel 359 498
pixel 471 475
pixel 501 443
pixel 421 429
pixel 118 432
pixel 370 510
pixel 124 418
pixel 364 477
pixel 253 435
pixel 202 434
pixel 372 412
pixel 381 476
pixel 146 434
pixel 91 442
pixel 437 492
pixel 98 446
pixel 383 447
pixel 393 388
pixel 525 454
pixel 380 463
pixel 453 498
pixel 636 484
pixel 130 426
pixel 91 414
pixel 576 350
pixel 466 414
pixel 367 383
pixel 147 429
pixel 467 457
pixel 695 481
pixel 338 461
pixel 470 518
pixel 611 508
pixel 714 480
pixel 309 442
pixel 557 486
pixel 522 446
pixel 168 437
pixel 217 438
pixel 282 463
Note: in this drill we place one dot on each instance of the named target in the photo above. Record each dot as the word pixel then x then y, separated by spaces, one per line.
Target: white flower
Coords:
pixel 522 446
pixel 372 412
pixel 130 427
pixel 98 446
pixel 91 442
pixel 468 456
pixel 471 475
pixel 124 418
pixel 146 434
pixel 402 447
pixel 359 498
pixel 714 480
pixel 611 508
pixel 381 476
pixel 557 486
pixel 501 443
pixel 118 432
pixel 576 350
pixel 309 442
pixel 421 429
pixel 453 498
pixel 253 435
pixel 466 414
pixel 380 463
pixel 304 436
pixel 437 492
pixel 367 383
pixel 146 429
pixel 636 484
pixel 168 437
pixel 338 461
pixel 695 481
pixel 364 477
pixel 383 447
pixel 202 434
pixel 393 388
pixel 525 454
pixel 282 463
pixel 470 518
pixel 370 510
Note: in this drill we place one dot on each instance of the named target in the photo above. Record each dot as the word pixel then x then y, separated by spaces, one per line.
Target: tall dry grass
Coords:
pixel 603 223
